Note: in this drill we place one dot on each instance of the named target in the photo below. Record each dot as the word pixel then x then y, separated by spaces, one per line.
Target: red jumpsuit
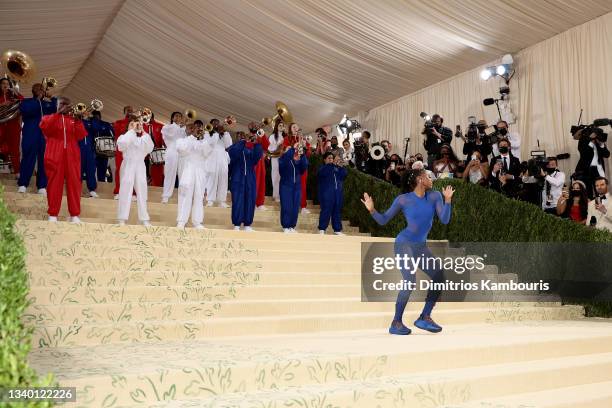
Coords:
pixel 119 127
pixel 260 172
pixel 157 170
pixel 63 161
pixel 10 134
pixel 290 141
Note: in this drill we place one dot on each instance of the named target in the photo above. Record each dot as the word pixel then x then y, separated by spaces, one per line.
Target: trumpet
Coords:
pixel 208 127
pixel 145 115
pixel 191 114
pixel 80 110
pixel 230 120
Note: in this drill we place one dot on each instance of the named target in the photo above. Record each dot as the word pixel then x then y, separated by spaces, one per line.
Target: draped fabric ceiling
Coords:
pixel 322 58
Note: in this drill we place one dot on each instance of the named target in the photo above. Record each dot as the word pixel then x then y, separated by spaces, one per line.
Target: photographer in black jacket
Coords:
pixel 593 152
pixel 435 136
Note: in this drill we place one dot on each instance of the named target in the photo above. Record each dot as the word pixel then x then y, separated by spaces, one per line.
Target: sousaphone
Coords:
pixel 18 67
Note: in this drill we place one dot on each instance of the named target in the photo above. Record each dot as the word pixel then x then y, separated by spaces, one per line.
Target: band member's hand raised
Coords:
pixel 448 193
pixel 368 202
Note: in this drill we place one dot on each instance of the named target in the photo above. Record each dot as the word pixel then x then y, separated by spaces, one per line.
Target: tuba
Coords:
pixel 19 67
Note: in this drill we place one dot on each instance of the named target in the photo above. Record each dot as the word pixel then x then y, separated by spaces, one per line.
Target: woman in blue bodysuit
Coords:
pixel 418 205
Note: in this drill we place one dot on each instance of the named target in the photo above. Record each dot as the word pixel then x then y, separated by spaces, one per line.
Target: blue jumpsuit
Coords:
pixel 33 141
pixel 88 156
pixel 291 187
pixel 96 128
pixel 242 183
pixel 331 195
pixel 412 240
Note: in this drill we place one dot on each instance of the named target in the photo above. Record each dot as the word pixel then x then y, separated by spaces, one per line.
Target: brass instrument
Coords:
pixel 191 115
pixel 208 127
pixel 49 83
pixel 267 121
pixel 81 111
pixel 146 115
pixel 19 67
pixel 282 113
pixel 230 120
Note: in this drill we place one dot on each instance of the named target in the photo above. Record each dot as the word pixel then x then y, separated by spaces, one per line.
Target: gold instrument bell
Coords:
pixel 190 115
pixel 18 67
pixel 49 83
pixel 208 127
pixel 282 113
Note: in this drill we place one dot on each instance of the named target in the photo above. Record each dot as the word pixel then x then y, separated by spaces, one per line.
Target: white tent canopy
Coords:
pixel 322 58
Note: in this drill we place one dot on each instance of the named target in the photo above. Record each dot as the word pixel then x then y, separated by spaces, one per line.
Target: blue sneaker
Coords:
pixel 426 323
pixel 399 328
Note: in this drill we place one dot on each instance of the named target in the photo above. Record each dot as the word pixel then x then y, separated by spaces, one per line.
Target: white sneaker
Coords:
pixel 287 230
pixel 249 229
pixel 262 208
pixel 116 197
pixel 198 227
pixel 305 210
pixel 180 225
pixel 223 204
pixel 146 223
pixel 210 204
pixel 236 227
pixel 121 222
pixel 75 220
pixel 322 232
pixel 42 191
pixel 164 200
pixel 277 199
pixel 293 230
pixel 93 194
pixel 339 233
pixel 22 189
pixel 52 219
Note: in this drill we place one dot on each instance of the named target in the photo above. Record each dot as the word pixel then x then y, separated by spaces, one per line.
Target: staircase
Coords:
pixel 162 317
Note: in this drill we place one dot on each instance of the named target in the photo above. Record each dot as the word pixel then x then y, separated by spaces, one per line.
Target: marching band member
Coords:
pixel 120 127
pixel 88 154
pixel 260 167
pixel 10 131
pixel 62 132
pixel 291 166
pixel 154 128
pixel 276 145
pixel 295 136
pixel 244 156
pixel 98 127
pixel 217 165
pixel 171 133
pixel 32 139
pixel 135 145
pixel 331 192
pixel 192 151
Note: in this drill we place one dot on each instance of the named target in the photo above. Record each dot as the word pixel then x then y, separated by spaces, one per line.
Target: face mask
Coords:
pixel 334 145
pixel 481 129
pixel 419 158
pixel 575 193
pixel 445 154
pixel 550 171
pixel 503 131
pixel 504 149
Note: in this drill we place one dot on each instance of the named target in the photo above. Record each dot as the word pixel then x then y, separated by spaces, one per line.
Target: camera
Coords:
pixel 593 128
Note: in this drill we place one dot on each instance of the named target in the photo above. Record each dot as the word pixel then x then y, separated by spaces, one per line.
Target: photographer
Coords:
pixel 600 209
pixel 505 171
pixel 435 136
pixel 593 151
pixel 362 151
pixel 554 179
pixel 476 140
pixel 394 171
pixel 513 137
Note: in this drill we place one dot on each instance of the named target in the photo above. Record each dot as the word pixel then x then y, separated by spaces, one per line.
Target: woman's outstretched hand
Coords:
pixel 368 202
pixel 447 193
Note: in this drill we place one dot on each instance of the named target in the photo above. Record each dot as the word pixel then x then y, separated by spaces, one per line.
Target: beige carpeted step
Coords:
pixel 424 369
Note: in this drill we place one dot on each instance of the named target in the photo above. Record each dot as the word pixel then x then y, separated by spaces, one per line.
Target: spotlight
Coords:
pixel 500 70
pixel 425 116
pixel 349 123
pixel 485 74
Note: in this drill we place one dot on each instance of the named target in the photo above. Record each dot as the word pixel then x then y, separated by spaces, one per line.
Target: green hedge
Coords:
pixel 14 336
pixel 478 215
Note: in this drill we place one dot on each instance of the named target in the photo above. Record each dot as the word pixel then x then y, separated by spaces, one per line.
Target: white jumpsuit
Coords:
pixel 274 145
pixel 217 166
pixel 133 174
pixel 171 133
pixel 192 181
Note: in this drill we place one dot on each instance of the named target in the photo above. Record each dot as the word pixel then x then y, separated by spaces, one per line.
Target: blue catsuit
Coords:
pixel 412 240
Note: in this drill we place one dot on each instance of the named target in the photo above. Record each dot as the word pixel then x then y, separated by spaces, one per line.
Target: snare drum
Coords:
pixel 158 156
pixel 105 146
pixel 5 166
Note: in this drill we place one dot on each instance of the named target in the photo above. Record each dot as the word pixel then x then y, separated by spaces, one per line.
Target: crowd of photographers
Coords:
pixel 492 160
